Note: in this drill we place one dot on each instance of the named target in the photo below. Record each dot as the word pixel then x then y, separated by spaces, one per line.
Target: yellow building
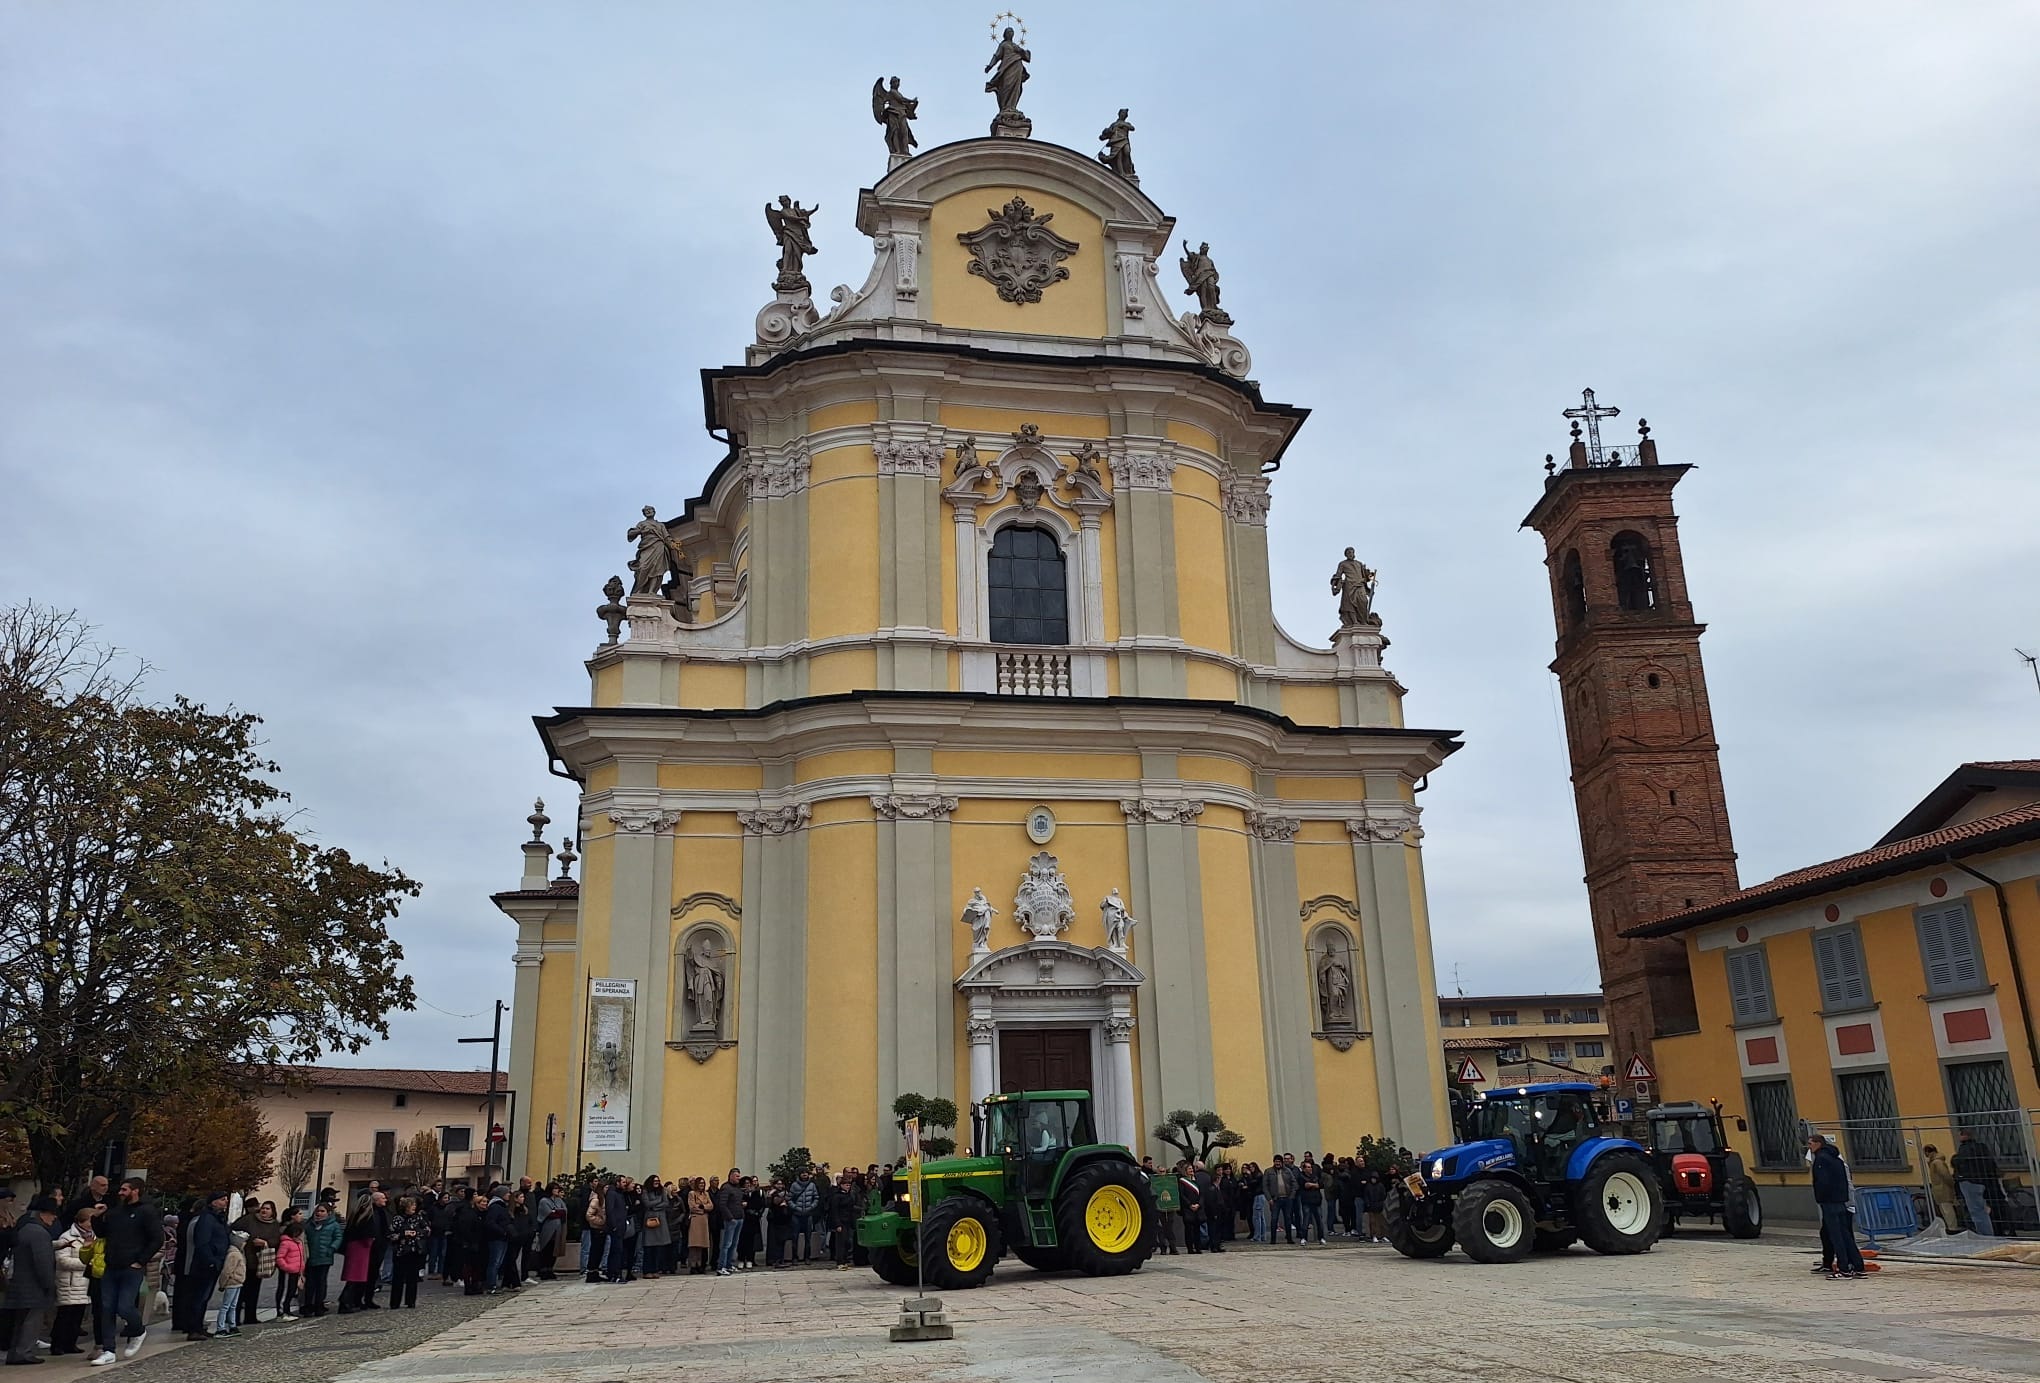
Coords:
pixel 1509 1039
pixel 1884 995
pixel 962 751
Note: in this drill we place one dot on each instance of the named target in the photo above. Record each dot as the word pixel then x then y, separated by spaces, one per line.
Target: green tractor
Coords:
pixel 1037 1182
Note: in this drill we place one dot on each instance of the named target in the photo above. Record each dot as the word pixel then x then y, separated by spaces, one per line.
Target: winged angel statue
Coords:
pixel 896 112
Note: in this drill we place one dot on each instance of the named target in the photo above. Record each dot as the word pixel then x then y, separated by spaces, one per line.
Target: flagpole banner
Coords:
pixel 612 1031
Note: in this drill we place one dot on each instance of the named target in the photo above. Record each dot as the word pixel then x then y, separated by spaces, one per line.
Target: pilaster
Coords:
pixel 916 994
pixel 1286 1017
pixel 1399 991
pixel 1144 503
pixel 910 560
pixel 772 1020
pixel 641 887
pixel 1175 1007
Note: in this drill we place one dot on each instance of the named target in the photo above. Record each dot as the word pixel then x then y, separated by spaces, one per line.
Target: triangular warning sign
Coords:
pixel 1639 1069
pixel 1469 1073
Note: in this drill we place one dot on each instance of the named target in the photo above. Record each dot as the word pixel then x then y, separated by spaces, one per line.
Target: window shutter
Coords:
pixel 1855 979
pixel 1749 988
pixel 1948 949
pixel 1827 964
pixel 1934 952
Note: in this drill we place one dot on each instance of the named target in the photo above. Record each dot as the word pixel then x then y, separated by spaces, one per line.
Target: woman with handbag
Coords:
pixel 657 1236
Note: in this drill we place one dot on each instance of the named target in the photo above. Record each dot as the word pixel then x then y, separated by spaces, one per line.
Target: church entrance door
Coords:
pixel 1045 1059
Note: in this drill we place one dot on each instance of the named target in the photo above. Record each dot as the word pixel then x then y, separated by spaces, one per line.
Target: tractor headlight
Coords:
pixel 1437 1169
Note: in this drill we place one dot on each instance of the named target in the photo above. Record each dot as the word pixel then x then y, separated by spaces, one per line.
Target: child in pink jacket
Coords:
pixel 290 1263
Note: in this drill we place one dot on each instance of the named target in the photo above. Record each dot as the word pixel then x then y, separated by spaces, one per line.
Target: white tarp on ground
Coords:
pixel 1936 1242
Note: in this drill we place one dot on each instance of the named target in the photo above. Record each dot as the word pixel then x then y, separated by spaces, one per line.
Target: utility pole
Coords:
pixel 495 1041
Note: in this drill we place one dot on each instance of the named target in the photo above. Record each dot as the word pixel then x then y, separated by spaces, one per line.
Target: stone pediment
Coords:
pixel 1050 967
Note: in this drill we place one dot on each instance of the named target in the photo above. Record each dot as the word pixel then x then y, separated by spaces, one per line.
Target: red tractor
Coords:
pixel 1700 1173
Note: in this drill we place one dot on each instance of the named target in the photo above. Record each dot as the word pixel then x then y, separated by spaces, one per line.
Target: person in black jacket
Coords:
pixel 468 1243
pixel 206 1240
pixel 133 1230
pixel 32 1288
pixel 496 1227
pixel 1831 1194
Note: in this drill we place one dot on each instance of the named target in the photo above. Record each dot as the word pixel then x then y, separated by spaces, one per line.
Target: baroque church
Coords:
pixel 946 741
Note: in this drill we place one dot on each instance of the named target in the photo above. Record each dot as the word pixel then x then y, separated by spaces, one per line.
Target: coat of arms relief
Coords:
pixel 1017 252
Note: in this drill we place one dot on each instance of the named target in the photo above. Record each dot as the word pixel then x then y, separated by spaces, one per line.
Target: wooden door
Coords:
pixel 1044 1059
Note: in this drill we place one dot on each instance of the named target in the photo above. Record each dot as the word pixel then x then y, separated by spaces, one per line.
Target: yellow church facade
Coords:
pixel 959 750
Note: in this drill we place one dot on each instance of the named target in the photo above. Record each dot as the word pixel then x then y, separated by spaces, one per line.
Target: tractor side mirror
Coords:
pixel 1742 1125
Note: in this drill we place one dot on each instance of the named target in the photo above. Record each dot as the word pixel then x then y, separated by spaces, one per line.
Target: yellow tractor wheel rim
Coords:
pixel 1112 1218
pixel 908 1254
pixel 966 1244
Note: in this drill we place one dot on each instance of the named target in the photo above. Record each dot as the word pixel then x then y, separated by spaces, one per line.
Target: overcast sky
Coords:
pixel 340 343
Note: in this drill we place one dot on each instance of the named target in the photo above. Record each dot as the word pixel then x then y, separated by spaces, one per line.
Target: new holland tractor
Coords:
pixel 1534 1174
pixel 1037 1182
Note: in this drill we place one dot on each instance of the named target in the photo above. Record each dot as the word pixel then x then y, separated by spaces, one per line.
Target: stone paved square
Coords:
pixel 1696 1308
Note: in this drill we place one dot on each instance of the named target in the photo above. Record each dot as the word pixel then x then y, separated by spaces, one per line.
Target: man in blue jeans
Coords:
pixel 729 1203
pixel 1831 1194
pixel 133 1231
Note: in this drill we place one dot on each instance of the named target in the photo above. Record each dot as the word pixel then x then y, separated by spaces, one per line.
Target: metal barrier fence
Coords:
pixel 1893 1150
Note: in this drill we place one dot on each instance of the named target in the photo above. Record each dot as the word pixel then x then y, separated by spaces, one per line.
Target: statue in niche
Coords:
pixel 789 221
pixel 1027 489
pixel 896 112
pixel 1009 75
pixel 1335 987
pixel 657 557
pixel 1118 153
pixel 1353 583
pixel 705 984
pixel 1087 459
pixel 1202 277
pixel 966 457
pixel 1119 923
pixel 978 913
pixel 612 610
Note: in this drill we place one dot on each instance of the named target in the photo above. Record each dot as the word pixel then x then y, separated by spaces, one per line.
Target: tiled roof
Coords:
pixel 1898 857
pixel 392 1078
pixel 1480 1044
pixel 2007 765
pixel 558 888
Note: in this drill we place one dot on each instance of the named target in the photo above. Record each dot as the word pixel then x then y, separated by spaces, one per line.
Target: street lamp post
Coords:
pixel 495 1041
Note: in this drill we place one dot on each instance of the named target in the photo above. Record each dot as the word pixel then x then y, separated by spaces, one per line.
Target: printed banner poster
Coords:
pixel 612 1031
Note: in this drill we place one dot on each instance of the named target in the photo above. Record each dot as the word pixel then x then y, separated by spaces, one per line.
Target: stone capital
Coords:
pixel 1245 498
pixel 909 458
pixel 776 821
pixel 1270 827
pixel 1142 471
pixel 981 1030
pixel 770 477
pixel 1119 1028
pixel 1385 822
pixel 912 806
pixel 643 820
pixel 1174 812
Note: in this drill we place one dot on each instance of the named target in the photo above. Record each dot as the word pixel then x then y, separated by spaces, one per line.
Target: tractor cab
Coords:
pixel 1701 1173
pixel 1541 1124
pixel 1030 1133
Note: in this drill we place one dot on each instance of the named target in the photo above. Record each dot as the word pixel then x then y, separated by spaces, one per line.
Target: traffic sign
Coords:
pixel 1469 1073
pixel 1639 1069
pixel 1625 1108
pixel 1643 1090
pixel 913 1130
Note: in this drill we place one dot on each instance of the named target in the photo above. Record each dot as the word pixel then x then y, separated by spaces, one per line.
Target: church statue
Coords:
pixel 896 112
pixel 1202 277
pixel 966 456
pixel 977 915
pixel 1009 74
pixel 1335 989
pixel 1118 153
pixel 704 979
pixel 612 611
pixel 1087 459
pixel 656 554
pixel 1353 583
pixel 789 221
pixel 1118 922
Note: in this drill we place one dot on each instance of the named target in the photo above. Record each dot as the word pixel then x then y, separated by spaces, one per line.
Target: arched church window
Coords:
pixel 1027 583
pixel 1634 587
pixel 1575 582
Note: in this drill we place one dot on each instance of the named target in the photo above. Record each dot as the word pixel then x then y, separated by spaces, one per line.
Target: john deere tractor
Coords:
pixel 1534 1173
pixel 1037 1182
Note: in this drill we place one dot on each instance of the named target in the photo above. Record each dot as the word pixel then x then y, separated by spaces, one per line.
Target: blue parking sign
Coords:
pixel 1625 1108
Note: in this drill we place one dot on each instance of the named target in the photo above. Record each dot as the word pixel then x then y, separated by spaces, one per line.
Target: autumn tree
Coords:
pixel 418 1159
pixel 163 928
pixel 210 1138
pixel 297 1158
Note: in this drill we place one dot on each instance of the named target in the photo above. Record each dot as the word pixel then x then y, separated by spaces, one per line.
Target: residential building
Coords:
pixel 359 1120
pixel 1884 995
pixel 1511 1039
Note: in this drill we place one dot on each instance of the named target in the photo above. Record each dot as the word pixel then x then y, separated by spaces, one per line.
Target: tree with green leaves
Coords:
pixel 163 927
pixel 1383 1154
pixel 790 1165
pixel 936 1113
pixel 1197 1135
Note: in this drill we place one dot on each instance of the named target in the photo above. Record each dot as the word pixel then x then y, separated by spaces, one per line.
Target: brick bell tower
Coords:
pixel 1646 769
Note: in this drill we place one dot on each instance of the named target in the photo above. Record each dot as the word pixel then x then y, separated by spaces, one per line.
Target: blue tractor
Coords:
pixel 1535 1173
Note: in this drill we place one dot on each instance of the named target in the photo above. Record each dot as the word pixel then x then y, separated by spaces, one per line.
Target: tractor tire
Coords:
pixel 1553 1240
pixel 1742 1209
pixel 1494 1222
pixel 1105 1218
pixel 960 1239
pixel 894 1267
pixel 1041 1257
pixel 1414 1235
pixel 1618 1206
